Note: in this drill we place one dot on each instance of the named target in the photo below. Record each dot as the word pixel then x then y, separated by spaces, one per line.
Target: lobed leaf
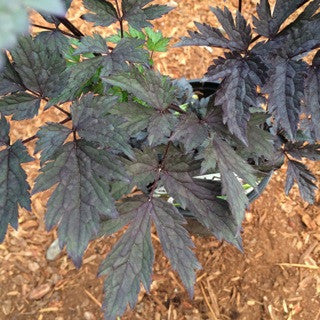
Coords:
pixel 130 260
pixel 104 13
pixel 137 15
pixel 21 105
pixel 267 24
pixel 92 121
pixel 86 171
pixel 50 139
pixel 298 172
pixel 312 99
pixel 175 241
pixel 150 86
pixel 14 189
pixel 285 89
pixel 40 68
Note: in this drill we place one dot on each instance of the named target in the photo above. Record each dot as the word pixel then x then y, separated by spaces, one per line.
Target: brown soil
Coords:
pixel 278 276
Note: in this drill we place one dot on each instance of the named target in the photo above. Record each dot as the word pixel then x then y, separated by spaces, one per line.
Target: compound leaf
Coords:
pixel 298 172
pixel 21 105
pixel 160 127
pixel 14 189
pixel 83 173
pixel 300 150
pixel 54 40
pixel 130 260
pixel 175 241
pixel 136 116
pixel 104 12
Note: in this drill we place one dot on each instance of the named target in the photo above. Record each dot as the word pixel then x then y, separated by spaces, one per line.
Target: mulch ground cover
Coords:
pixel 277 277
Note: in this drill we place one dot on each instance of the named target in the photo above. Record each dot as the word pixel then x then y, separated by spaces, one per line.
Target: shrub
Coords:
pixel 131 127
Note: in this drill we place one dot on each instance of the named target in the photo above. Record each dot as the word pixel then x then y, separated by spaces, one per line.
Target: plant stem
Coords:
pixel 64 111
pixel 78 34
pixel 120 18
pixel 176 108
pixel 53 29
pixel 240 5
pixel 35 136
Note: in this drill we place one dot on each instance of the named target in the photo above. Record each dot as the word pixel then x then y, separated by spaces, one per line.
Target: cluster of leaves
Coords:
pixel 131 127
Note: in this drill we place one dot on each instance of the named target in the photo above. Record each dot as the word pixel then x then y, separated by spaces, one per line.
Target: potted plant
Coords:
pixel 191 149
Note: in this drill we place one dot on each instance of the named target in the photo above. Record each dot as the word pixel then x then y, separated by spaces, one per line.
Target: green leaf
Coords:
pixel 156 42
pixel 21 105
pixel 104 12
pixel 50 138
pixel 83 172
pixel 14 189
pixel 130 260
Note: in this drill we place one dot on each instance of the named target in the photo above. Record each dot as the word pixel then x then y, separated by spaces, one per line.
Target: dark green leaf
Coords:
pixel 175 241
pixel 135 12
pixel 95 44
pixel 21 105
pixel 14 189
pixel 104 12
pixel 51 138
pixel 40 68
pixel 151 87
pixel 4 131
pixel 230 166
pixel 285 89
pixel 93 123
pixel 298 172
pixel 83 173
pixel 268 24
pixel 130 260
pixel 54 40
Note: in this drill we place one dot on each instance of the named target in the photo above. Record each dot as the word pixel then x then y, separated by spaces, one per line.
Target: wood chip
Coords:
pixel 39 292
